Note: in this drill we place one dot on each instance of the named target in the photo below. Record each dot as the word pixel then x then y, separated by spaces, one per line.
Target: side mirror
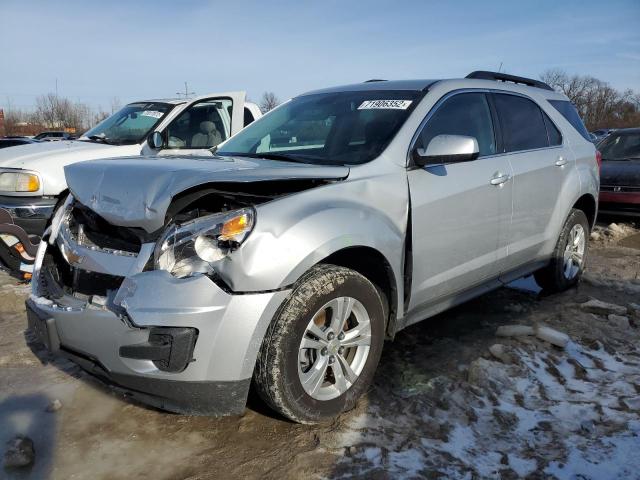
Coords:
pixel 155 140
pixel 447 149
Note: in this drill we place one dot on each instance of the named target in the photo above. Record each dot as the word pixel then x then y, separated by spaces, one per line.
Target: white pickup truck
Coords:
pixel 32 177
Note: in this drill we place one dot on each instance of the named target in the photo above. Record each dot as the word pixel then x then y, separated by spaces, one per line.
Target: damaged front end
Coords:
pixel 142 311
pixel 147 312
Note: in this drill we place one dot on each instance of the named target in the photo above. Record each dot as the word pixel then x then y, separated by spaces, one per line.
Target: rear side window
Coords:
pixel 463 114
pixel 555 137
pixel 523 126
pixel 570 113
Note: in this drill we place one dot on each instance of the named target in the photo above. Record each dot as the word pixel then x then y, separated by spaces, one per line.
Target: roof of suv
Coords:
pixel 479 79
pixel 410 85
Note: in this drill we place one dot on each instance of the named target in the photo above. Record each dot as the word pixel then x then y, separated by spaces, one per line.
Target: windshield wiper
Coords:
pixel 101 138
pixel 272 156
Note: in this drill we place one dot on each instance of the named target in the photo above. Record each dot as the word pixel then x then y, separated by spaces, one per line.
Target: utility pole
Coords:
pixel 186 93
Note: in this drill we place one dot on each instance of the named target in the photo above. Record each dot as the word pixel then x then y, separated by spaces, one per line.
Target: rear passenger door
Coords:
pixel 459 211
pixel 533 145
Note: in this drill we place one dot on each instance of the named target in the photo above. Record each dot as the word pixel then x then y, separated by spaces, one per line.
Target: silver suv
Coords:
pixel 313 235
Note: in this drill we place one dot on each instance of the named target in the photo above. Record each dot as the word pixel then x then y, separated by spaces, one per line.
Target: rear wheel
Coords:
pixel 569 257
pixel 322 348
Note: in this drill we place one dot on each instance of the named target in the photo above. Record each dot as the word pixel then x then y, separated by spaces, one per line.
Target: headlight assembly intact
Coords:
pixel 193 247
pixel 19 182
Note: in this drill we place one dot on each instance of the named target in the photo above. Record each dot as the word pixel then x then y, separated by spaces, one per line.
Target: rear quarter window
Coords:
pixel 555 137
pixel 569 112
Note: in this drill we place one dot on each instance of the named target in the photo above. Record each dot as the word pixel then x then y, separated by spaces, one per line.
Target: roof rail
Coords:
pixel 375 80
pixel 504 77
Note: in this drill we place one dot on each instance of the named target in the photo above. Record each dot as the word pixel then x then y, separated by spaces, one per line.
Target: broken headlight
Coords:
pixel 195 246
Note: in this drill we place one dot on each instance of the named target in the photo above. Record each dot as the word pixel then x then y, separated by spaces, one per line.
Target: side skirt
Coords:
pixel 429 309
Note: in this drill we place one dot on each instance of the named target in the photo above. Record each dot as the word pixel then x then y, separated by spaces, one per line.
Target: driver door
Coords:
pixel 460 212
pixel 203 123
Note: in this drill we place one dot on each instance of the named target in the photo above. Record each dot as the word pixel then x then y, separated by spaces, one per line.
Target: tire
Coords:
pixel 558 275
pixel 283 363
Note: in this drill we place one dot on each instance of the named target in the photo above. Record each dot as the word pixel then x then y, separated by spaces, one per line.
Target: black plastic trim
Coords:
pixel 504 77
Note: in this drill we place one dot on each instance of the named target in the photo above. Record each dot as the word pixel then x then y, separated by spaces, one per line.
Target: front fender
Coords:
pixel 294 233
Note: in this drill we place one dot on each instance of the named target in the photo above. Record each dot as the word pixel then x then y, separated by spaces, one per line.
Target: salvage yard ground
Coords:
pixel 451 399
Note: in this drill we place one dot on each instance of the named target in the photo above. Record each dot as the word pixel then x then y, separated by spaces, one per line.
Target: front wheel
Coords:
pixel 569 257
pixel 320 352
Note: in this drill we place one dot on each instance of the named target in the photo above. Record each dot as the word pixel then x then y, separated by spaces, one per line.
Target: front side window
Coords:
pixel 130 125
pixel 343 128
pixel 203 125
pixel 463 114
pixel 522 123
pixel 620 147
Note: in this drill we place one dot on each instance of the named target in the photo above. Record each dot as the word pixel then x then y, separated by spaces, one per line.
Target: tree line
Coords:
pixel 599 104
pixel 53 112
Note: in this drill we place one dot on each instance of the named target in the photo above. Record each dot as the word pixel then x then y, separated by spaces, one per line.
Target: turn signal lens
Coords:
pixel 19 182
pixel 27 182
pixel 234 227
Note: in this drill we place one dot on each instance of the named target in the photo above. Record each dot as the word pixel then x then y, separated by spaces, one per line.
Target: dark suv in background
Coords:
pixel 620 175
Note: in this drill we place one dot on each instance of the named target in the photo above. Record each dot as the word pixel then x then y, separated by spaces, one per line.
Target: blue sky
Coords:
pixel 131 50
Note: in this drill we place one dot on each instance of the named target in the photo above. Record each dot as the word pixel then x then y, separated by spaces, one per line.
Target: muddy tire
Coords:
pixel 322 348
pixel 569 257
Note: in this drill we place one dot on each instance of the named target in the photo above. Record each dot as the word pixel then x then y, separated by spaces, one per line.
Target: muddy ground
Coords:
pixel 442 405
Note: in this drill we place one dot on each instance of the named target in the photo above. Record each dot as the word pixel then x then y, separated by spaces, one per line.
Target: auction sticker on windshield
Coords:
pixel 152 113
pixel 385 104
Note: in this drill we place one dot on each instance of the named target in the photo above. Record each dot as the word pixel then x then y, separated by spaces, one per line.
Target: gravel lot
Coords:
pixel 443 405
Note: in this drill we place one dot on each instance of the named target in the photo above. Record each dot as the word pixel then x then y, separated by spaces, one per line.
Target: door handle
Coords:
pixel 499 178
pixel 561 161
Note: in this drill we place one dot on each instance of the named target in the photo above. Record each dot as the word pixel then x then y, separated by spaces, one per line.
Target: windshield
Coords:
pixel 620 147
pixel 344 128
pixel 130 125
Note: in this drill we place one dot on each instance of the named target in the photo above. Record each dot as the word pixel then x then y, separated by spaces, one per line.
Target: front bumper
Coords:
pixel 29 213
pixel 91 332
pixel 22 222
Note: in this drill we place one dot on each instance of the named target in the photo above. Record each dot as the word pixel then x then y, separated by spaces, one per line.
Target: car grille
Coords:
pixel 57 278
pixel 89 256
pixel 91 230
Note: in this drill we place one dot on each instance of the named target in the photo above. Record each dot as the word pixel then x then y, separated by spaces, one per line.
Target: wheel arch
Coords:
pixel 375 267
pixel 587 203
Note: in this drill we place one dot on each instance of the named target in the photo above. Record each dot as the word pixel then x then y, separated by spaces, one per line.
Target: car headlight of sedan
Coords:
pixel 19 182
pixel 195 246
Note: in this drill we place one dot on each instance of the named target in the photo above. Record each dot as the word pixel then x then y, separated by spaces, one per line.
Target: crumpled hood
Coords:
pixel 29 156
pixel 137 191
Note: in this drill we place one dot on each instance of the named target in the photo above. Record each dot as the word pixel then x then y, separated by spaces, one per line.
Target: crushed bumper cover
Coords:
pixel 185 397
pixel 230 328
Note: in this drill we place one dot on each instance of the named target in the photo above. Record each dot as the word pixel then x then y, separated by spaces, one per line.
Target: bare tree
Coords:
pixel 599 104
pixel 53 111
pixel 268 102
